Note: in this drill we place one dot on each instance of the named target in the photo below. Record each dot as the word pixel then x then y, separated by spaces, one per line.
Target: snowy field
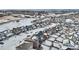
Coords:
pixel 60 38
pixel 12 42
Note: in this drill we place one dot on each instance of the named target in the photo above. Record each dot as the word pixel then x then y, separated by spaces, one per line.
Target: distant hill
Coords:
pixel 38 10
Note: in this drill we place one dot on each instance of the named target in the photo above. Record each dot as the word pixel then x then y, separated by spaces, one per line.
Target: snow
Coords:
pixel 63 36
pixel 34 38
pixel 13 41
pixel 48 43
pixel 69 21
pixel 64 47
pixel 56 44
pixel 15 24
pixel 75 35
pixel 59 39
pixel 45 47
pixel 41 29
pixel 78 33
pixel 66 41
pixel 72 43
pixel 51 39
pixel 54 36
pixel 76 46
pixel 58 34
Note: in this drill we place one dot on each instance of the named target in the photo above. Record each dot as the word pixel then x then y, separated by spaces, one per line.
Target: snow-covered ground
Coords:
pixel 15 24
pixel 56 41
pixel 13 41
